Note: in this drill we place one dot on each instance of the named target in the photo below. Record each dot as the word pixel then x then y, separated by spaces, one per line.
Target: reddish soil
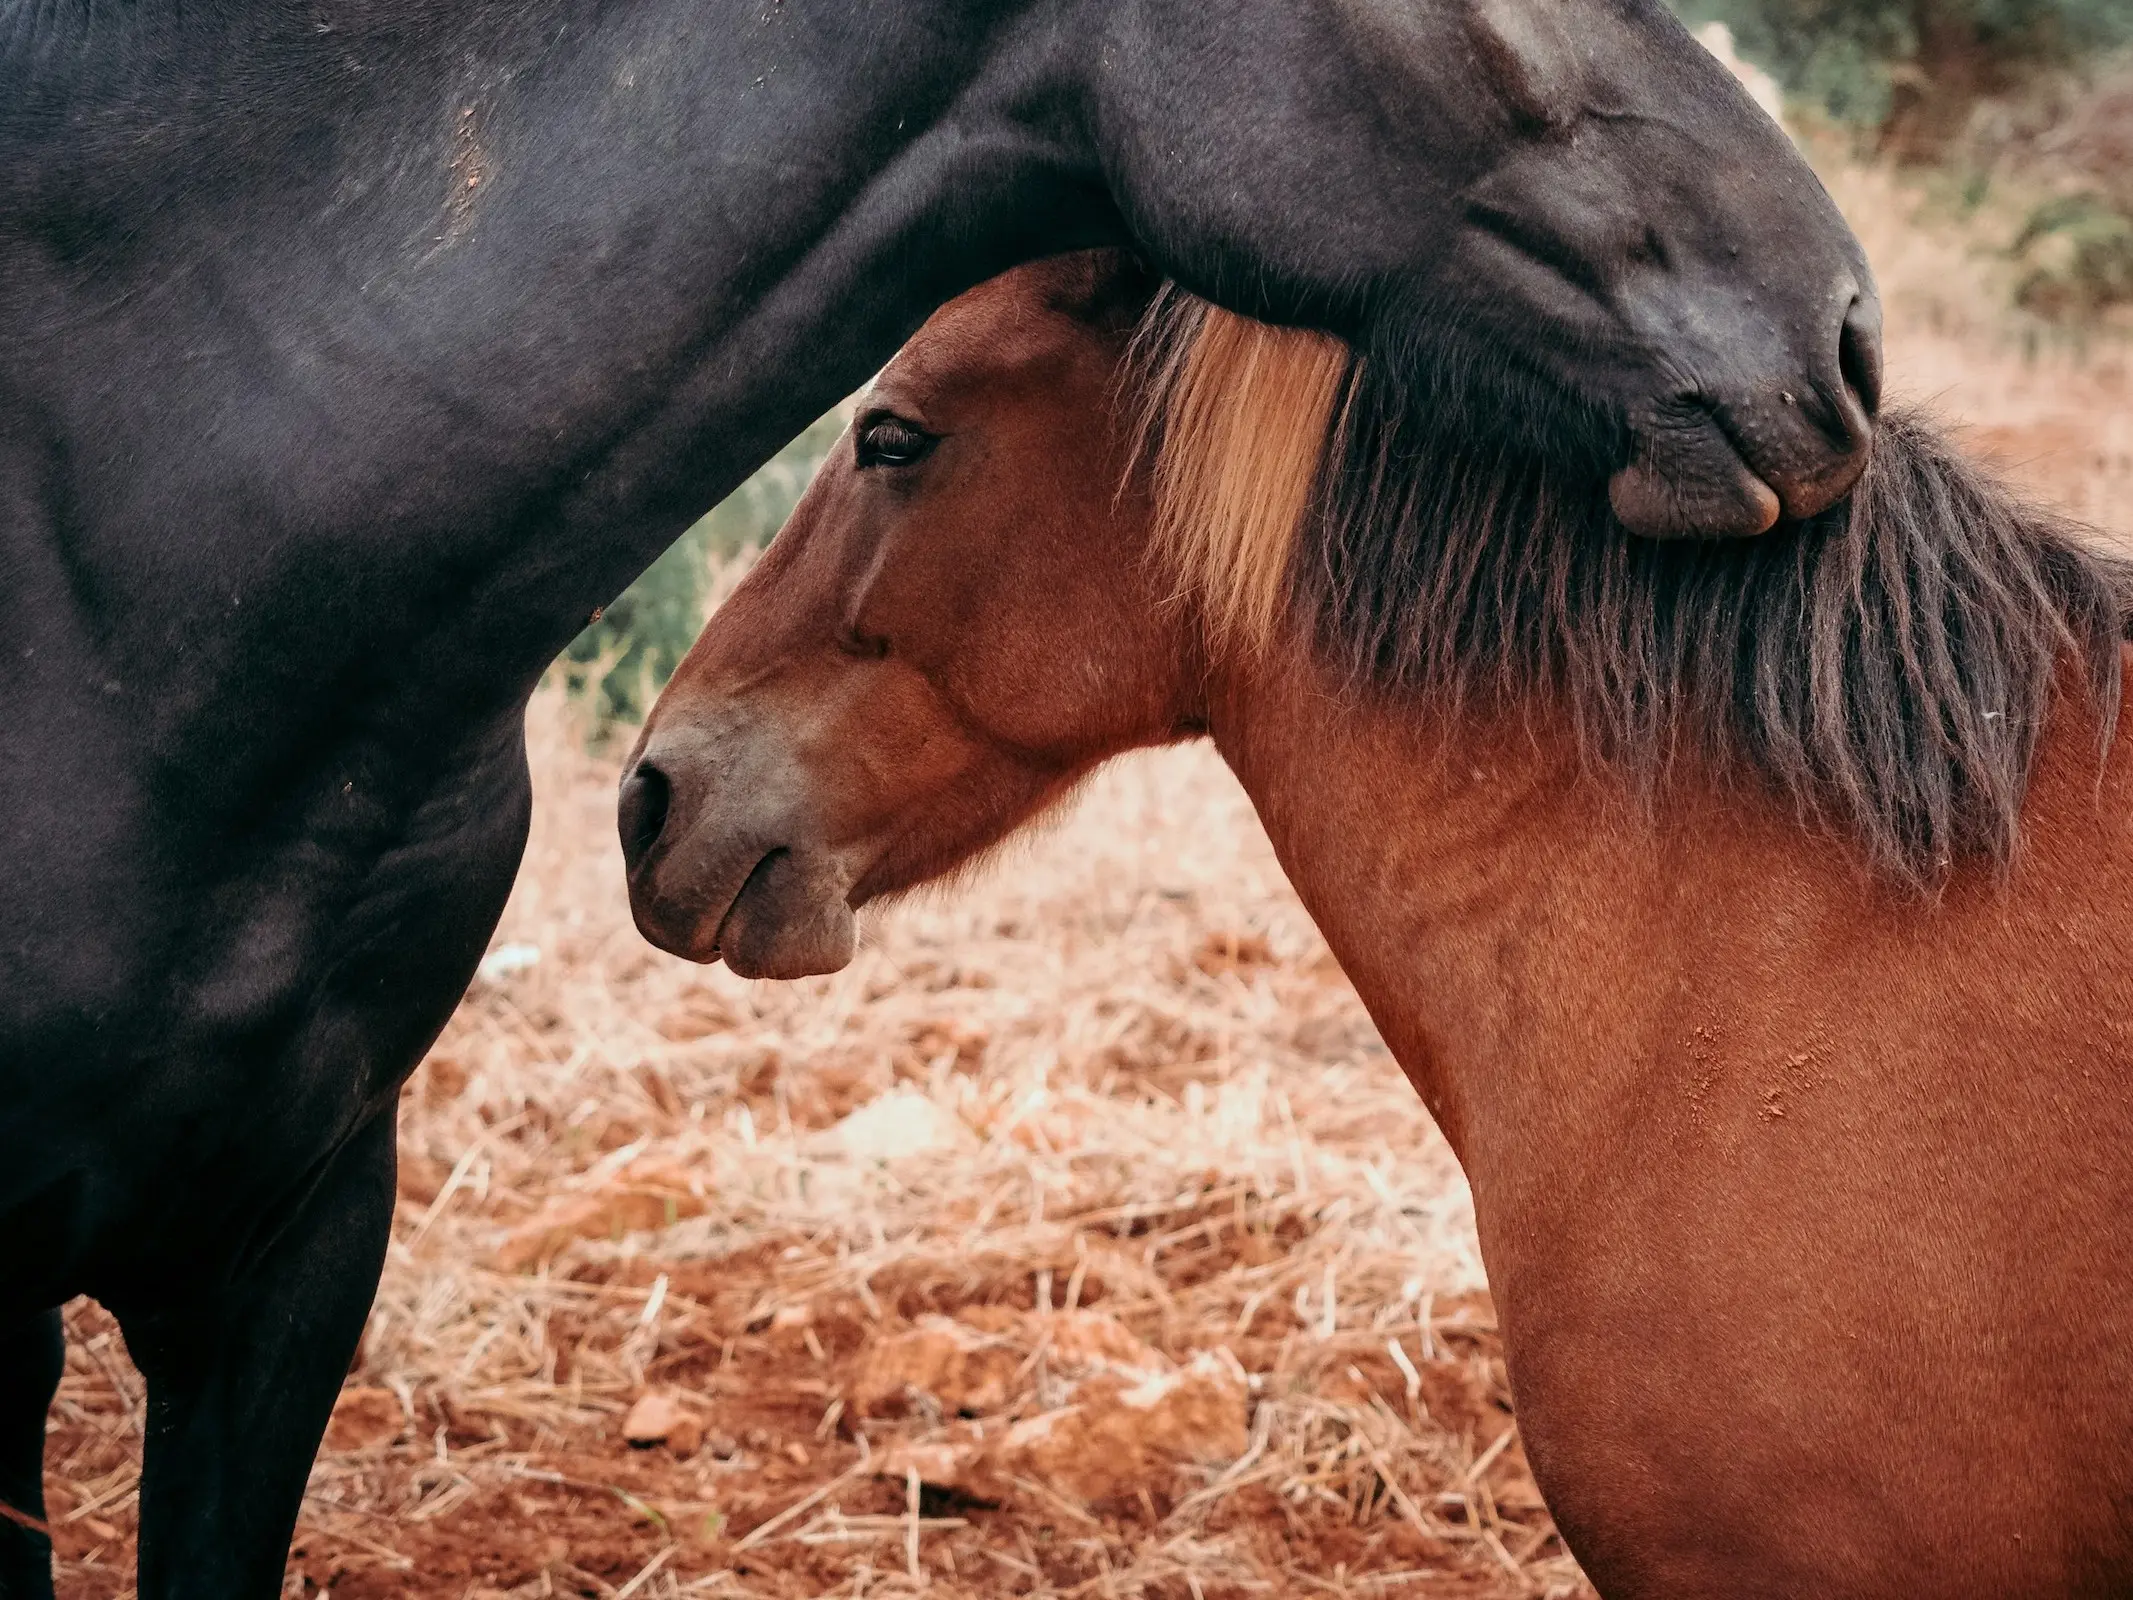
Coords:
pixel 584 1513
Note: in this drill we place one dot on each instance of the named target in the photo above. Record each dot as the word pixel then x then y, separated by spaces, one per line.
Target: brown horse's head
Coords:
pixel 953 628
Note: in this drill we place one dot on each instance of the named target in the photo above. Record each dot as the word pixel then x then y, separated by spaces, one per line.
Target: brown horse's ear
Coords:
pixel 1108 290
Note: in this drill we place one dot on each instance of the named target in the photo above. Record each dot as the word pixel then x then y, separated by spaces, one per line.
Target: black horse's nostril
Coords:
pixel 642 811
pixel 1859 353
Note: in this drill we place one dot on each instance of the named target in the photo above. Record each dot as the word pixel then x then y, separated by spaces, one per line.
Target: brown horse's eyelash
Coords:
pixel 867 454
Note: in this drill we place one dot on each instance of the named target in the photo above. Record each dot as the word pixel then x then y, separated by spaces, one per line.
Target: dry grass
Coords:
pixel 1120 1075
pixel 1131 1080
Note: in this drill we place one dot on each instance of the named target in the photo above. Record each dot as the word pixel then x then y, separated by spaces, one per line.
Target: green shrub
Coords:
pixel 2035 94
pixel 2078 249
pixel 1912 68
pixel 619 664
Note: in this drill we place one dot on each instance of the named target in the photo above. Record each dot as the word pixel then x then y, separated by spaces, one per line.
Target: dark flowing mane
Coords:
pixel 1887 666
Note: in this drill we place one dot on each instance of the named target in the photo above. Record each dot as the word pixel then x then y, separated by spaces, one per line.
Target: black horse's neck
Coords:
pixel 477 306
pixel 393 325
pixel 351 352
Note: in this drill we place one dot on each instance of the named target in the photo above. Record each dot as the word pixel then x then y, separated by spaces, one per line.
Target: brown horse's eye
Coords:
pixel 890 441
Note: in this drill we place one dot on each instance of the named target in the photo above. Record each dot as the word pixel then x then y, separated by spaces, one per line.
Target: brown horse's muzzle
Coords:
pixel 725 856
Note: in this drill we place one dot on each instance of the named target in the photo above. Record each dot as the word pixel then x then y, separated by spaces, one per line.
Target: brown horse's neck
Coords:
pixel 1540 944
pixel 1439 871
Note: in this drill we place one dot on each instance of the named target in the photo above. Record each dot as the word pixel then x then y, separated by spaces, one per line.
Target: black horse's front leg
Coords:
pixel 32 1353
pixel 241 1383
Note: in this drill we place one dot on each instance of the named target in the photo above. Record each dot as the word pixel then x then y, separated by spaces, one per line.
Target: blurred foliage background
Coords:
pixel 2022 107
pixel 618 665
pixel 1916 70
pixel 2018 112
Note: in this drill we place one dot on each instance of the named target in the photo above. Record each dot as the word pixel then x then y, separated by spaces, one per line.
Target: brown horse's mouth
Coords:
pixel 733 882
pixel 683 907
pixel 790 918
pixel 725 921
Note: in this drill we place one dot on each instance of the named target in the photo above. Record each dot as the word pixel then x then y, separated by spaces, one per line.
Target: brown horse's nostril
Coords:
pixel 1859 353
pixel 642 811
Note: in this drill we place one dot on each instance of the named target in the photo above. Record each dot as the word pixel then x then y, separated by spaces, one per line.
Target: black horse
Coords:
pixel 352 351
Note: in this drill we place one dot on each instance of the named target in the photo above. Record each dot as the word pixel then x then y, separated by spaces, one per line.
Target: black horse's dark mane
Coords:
pixel 1887 667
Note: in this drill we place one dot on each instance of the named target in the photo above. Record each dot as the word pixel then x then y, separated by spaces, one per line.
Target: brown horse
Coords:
pixel 1753 921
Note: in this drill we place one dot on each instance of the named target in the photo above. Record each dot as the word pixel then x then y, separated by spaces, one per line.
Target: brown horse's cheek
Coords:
pixel 790 920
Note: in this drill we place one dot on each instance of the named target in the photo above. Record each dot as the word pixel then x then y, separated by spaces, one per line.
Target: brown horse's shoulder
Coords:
pixel 2077 817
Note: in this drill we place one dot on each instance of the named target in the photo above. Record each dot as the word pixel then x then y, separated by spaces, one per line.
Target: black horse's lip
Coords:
pixel 1692 482
pixel 1700 470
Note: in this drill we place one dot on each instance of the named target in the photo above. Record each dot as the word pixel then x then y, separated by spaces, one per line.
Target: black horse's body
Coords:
pixel 351 353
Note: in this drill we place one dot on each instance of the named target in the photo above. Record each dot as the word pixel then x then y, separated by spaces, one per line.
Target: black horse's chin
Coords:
pixel 1701 472
pixel 1693 487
